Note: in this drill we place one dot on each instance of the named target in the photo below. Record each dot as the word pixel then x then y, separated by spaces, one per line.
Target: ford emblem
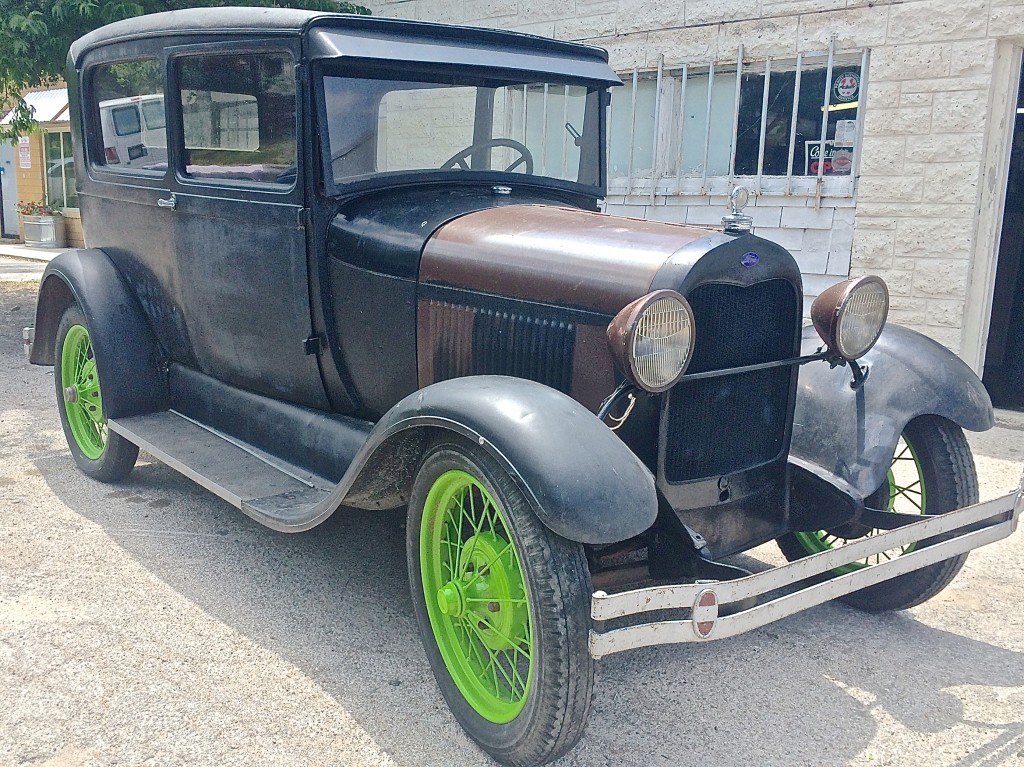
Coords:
pixel 750 259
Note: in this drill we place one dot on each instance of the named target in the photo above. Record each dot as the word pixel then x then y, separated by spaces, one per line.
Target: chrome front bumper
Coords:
pixel 964 529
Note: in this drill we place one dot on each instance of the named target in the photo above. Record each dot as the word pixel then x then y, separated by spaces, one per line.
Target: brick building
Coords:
pixel 912 104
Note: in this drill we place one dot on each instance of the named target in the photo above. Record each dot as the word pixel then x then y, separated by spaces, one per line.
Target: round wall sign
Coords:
pixel 845 87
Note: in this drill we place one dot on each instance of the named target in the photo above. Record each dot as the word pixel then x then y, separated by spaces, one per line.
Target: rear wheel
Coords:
pixel 503 606
pixel 932 472
pixel 99 453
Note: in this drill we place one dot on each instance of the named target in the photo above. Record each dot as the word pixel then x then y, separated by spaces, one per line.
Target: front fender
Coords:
pixel 851 434
pixel 125 348
pixel 581 479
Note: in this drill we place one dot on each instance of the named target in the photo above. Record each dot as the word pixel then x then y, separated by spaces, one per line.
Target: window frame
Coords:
pixel 63 166
pixel 175 121
pixel 93 122
pixel 399 70
pixel 667 179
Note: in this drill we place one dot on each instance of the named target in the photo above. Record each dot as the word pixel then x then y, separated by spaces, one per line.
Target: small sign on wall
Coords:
pixel 24 153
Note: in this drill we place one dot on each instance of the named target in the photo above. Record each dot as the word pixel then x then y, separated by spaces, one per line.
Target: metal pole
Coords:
pixel 764 121
pixel 792 123
pixel 707 128
pixel 736 113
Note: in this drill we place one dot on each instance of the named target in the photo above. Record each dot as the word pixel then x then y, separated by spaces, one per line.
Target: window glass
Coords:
pixel 840 134
pixel 633 117
pixel 60 170
pixel 382 126
pixel 238 117
pixel 119 92
pixel 127 121
pixel 688 128
pixel 696 117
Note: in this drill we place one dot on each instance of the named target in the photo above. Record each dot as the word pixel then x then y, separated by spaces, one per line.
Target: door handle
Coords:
pixel 170 202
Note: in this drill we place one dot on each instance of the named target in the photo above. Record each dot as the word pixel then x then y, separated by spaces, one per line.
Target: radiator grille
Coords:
pixel 477 341
pixel 719 425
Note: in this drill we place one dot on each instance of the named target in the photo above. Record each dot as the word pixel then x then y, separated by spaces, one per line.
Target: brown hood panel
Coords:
pixel 559 256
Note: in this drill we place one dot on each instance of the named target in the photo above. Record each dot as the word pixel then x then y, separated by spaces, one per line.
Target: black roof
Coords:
pixel 264 21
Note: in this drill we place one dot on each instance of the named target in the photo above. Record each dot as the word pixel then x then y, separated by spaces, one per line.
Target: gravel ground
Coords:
pixel 149 623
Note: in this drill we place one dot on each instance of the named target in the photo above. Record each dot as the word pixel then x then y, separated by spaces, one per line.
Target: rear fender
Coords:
pixel 126 351
pixel 581 479
pixel 851 434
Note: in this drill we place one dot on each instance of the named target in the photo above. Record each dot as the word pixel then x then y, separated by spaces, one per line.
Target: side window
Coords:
pixel 128 108
pixel 238 117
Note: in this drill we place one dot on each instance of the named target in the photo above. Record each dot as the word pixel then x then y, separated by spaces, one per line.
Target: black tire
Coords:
pixel 556 702
pixel 118 455
pixel 947 470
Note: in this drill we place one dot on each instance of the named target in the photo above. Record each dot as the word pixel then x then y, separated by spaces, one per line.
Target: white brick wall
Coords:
pixel 926 128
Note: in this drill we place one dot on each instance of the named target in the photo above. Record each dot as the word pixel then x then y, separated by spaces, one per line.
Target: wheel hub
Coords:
pixel 71 394
pixel 450 599
pixel 489 588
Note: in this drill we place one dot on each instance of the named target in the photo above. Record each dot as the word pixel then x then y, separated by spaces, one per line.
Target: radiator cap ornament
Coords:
pixel 736 221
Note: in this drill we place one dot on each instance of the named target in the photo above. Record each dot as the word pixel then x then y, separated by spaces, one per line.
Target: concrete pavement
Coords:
pixel 150 623
pixel 19 263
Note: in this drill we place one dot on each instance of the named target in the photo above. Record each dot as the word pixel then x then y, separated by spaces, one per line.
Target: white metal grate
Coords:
pixel 781 126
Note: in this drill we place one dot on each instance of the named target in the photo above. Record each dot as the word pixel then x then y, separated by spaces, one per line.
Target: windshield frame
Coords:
pixel 449 74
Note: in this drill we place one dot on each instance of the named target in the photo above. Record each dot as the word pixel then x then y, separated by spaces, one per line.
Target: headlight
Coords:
pixel 850 316
pixel 652 339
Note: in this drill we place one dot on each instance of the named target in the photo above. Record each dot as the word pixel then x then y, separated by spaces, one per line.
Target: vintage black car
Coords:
pixel 340 261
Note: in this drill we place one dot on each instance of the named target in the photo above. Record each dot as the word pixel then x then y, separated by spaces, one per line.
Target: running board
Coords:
pixel 247 478
pixel 957 532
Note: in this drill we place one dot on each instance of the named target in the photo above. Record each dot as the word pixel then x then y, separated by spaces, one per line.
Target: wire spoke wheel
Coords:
pixel 81 390
pixel 480 614
pixel 503 607
pixel 98 452
pixel 903 492
pixel 931 472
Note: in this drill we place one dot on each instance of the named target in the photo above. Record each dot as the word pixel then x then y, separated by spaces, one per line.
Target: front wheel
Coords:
pixel 503 606
pixel 931 472
pixel 99 453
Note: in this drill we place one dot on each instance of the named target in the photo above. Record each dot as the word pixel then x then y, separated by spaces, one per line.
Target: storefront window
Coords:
pixel 60 170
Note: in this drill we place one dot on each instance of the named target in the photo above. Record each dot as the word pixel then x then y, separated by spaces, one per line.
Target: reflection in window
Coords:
pixel 381 126
pixel 238 117
pixel 128 104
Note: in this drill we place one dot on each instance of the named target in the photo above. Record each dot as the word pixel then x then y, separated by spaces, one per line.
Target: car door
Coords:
pixel 239 216
pixel 120 195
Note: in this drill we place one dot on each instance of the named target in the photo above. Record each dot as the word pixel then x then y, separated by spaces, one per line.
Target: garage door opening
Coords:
pixel 1004 358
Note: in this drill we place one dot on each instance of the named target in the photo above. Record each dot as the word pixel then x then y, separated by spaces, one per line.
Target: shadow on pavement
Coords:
pixel 811 690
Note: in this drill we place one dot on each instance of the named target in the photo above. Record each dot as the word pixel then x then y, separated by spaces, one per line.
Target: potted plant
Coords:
pixel 44 225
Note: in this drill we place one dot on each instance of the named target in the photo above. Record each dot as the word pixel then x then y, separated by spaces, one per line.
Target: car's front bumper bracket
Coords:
pixel 708 602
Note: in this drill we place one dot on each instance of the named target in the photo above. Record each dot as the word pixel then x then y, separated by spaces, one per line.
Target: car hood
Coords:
pixel 553 255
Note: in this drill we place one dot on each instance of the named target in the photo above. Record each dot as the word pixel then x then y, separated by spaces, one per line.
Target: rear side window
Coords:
pixel 127 103
pixel 238 117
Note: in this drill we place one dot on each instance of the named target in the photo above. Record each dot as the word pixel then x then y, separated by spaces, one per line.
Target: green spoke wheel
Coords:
pixel 480 616
pixel 503 607
pixel 931 472
pixel 99 453
pixel 81 390
pixel 902 492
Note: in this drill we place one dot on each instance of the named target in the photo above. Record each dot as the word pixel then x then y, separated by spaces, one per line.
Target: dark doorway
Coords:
pixel 1004 358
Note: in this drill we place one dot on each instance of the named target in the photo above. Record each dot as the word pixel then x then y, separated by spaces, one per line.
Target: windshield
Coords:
pixel 378 125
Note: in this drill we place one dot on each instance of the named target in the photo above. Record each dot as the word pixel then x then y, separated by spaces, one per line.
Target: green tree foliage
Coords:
pixel 35 36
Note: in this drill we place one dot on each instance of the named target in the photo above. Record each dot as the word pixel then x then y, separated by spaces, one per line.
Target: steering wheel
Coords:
pixel 458 160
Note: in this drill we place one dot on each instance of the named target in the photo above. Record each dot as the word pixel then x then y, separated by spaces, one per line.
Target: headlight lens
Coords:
pixel 652 339
pixel 850 316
